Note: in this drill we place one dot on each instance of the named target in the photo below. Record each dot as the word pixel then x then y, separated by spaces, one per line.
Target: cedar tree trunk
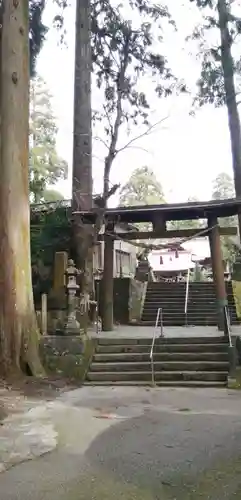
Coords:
pixel 231 102
pixel 18 325
pixel 82 149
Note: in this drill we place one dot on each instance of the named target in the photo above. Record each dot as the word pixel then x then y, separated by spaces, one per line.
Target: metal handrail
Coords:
pixel 227 328
pixel 159 315
pixel 187 295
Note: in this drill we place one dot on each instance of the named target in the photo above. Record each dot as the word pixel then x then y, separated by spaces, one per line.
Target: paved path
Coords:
pixel 137 444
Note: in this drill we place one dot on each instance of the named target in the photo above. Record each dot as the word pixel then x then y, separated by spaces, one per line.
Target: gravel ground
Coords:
pixel 137 444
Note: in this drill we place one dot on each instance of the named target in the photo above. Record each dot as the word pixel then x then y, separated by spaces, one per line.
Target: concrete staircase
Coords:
pixel 198 362
pixel 201 308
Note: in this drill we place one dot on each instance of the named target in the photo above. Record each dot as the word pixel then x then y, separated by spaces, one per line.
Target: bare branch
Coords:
pixel 97 138
pixel 144 134
pixel 140 148
pixel 108 119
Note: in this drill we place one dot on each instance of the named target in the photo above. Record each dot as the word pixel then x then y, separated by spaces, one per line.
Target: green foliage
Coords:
pixel 123 52
pixel 37 31
pixel 211 86
pixel 142 188
pixel 50 232
pixel 223 187
pixel 186 224
pixel 45 166
pixel 51 195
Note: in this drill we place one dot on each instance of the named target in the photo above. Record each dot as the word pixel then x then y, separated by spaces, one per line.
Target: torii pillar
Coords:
pixel 218 270
pixel 108 280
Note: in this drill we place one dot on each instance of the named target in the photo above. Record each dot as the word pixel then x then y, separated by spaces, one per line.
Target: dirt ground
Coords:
pixel 14 392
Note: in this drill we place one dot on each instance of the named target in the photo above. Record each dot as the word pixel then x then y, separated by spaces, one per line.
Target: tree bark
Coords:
pixel 82 145
pixel 18 325
pixel 82 149
pixel 233 115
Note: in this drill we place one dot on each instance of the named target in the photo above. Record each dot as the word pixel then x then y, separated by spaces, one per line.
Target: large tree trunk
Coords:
pixel 18 326
pixel 233 115
pixel 82 148
pixel 82 145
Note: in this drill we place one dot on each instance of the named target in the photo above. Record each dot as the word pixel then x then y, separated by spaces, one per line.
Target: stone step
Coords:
pixel 181 322
pixel 182 284
pixel 201 302
pixel 179 296
pixel 157 285
pixel 166 383
pixel 164 348
pixel 192 300
pixel 169 366
pixel 191 296
pixel 175 310
pixel 167 317
pixel 217 339
pixel 212 376
pixel 145 356
pixel 181 293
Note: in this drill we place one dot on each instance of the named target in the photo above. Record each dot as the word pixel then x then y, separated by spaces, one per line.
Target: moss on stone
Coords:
pixel 235 381
pixel 68 362
pixel 237 296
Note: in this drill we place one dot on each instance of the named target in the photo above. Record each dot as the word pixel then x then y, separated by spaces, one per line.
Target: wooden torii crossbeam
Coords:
pixel 168 211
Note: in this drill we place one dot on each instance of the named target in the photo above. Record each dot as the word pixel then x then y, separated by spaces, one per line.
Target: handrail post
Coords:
pixel 186 295
pixel 159 315
pixel 231 347
pixel 162 332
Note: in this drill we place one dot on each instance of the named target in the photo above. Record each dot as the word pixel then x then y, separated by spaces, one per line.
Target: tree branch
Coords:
pixel 144 134
pixel 97 138
pixel 114 137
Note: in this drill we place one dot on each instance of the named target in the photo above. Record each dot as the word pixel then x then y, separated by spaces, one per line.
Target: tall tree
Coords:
pixel 45 166
pixel 218 83
pixel 50 195
pixel 142 188
pixel 122 53
pixel 223 187
pixel 37 31
pixel 18 326
pixel 82 152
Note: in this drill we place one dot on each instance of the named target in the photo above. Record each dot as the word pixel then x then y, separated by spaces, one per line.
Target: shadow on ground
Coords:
pixel 172 456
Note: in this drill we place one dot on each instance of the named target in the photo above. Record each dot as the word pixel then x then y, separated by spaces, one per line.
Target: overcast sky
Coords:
pixel 185 152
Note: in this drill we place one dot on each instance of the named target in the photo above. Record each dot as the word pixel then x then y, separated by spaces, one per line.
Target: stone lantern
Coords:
pixel 72 326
